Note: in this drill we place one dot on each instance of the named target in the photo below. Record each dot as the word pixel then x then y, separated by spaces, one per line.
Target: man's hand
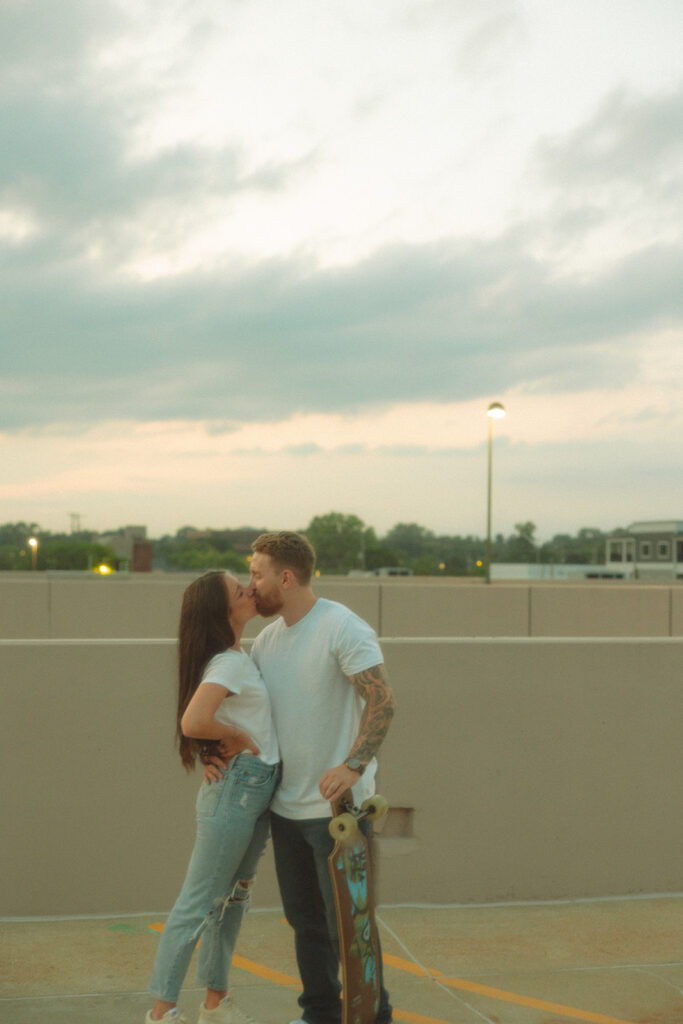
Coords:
pixel 336 781
pixel 216 760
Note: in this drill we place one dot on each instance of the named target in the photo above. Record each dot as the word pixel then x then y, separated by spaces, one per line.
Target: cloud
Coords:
pixel 113 304
pixel 614 184
pixel 86 155
pixel 448 320
pixel 302 450
pixel 64 161
pixel 45 43
pixel 492 42
pixel 632 139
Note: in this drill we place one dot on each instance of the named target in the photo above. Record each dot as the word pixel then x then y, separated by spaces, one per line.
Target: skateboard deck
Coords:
pixel 351 875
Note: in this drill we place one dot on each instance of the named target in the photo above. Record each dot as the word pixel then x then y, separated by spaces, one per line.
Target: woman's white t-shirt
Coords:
pixel 248 704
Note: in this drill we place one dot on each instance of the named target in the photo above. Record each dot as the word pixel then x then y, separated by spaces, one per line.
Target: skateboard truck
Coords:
pixel 344 825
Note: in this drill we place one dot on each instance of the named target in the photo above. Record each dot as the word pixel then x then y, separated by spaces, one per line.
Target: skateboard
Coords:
pixel 354 900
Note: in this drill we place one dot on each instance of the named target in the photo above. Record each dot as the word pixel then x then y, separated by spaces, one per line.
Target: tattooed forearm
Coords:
pixel 379 710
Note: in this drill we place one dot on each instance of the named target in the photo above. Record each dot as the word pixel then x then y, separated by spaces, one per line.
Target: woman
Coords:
pixel 221 696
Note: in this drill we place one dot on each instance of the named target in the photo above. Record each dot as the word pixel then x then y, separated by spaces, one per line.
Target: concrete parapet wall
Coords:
pixel 439 610
pixel 24 605
pixel 601 611
pixel 677 612
pixel 51 606
pixel 48 606
pixel 516 769
pixel 537 769
pixel 541 610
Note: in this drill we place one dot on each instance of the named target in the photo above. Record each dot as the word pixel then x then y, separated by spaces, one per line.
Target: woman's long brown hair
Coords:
pixel 204 631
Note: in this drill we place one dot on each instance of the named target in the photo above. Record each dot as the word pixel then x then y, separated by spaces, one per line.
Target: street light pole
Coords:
pixel 494 412
pixel 33 543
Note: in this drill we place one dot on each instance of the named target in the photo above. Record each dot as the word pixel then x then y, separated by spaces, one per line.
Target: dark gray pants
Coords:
pixel 301 850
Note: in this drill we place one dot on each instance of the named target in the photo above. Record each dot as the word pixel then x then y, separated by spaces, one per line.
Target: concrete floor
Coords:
pixel 605 962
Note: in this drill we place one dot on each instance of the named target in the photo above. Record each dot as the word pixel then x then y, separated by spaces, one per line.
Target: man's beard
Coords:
pixel 268 604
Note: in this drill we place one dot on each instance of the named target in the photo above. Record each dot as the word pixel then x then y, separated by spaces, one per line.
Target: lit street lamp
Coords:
pixel 33 544
pixel 494 412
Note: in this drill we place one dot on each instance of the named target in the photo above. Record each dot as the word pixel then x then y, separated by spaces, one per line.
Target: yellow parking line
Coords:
pixel 408 966
pixel 496 993
pixel 277 977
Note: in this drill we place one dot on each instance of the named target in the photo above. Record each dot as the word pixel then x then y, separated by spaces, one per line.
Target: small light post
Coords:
pixel 33 544
pixel 494 412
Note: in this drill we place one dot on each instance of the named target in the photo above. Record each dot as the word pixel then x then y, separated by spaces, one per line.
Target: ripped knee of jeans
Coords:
pixel 241 892
pixel 240 896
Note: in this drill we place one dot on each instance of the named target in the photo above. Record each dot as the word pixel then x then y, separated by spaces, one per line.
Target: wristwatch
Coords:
pixel 355 765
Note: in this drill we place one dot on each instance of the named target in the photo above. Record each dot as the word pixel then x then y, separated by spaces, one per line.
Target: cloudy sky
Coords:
pixel 265 260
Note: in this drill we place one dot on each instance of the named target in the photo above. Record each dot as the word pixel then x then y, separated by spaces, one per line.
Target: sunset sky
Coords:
pixel 264 260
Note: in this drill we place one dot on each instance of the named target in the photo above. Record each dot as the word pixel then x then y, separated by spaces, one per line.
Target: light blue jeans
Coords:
pixel 232 830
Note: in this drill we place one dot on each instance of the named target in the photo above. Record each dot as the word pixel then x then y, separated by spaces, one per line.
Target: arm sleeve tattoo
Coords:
pixel 378 712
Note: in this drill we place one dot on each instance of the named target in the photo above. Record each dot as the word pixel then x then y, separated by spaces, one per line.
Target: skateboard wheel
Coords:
pixel 343 827
pixel 374 807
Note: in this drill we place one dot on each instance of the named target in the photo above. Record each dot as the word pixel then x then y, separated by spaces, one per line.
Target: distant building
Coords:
pixel 648 550
pixel 240 540
pixel 192 533
pixel 503 571
pixel 132 549
pixel 645 551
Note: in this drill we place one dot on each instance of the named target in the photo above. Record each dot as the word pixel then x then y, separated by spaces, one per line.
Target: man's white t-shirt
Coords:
pixel 316 710
pixel 248 705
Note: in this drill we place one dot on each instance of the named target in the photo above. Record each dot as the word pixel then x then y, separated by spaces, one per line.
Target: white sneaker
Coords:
pixel 170 1015
pixel 225 1013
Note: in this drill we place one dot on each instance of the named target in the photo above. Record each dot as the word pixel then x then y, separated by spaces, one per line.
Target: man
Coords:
pixel 323 668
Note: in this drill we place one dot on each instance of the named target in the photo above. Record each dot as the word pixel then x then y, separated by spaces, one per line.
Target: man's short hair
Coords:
pixel 288 551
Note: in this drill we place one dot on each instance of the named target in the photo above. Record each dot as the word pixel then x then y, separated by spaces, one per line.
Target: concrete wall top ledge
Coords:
pixel 424 641
pixel 529 641
pixel 89 642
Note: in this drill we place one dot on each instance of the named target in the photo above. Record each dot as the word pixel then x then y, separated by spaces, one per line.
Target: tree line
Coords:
pixel 342 541
pixel 79 551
